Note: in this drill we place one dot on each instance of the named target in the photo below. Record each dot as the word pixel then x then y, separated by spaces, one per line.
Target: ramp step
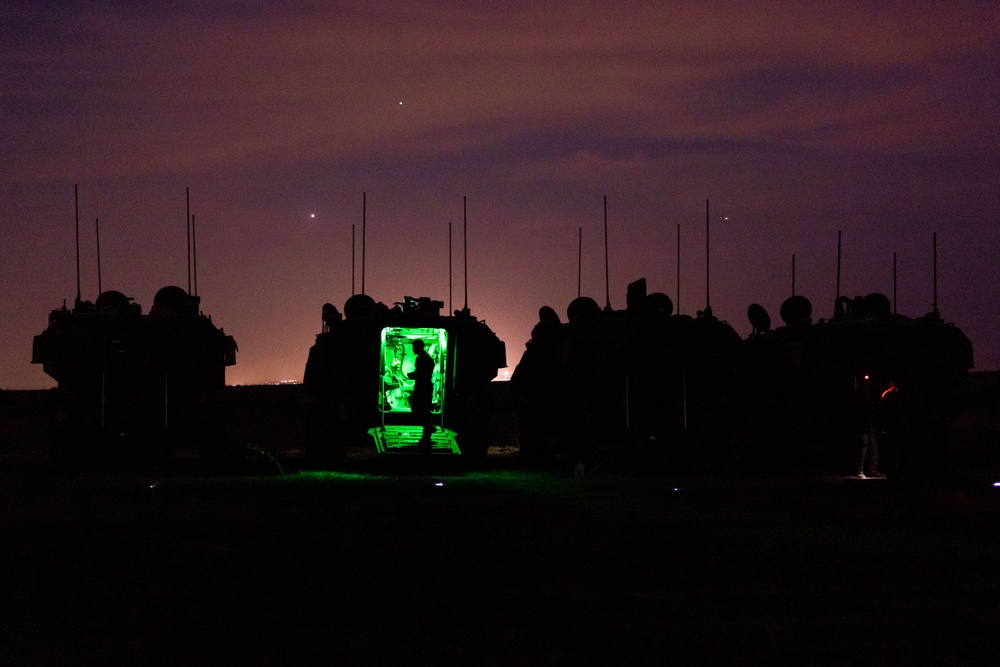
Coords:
pixel 403 439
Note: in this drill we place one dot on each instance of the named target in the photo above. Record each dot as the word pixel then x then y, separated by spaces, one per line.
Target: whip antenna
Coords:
pixel 449 270
pixel 678 269
pixel 97 227
pixel 838 264
pixel 894 283
pixel 935 273
pixel 187 197
pixel 465 254
pixel 76 207
pixel 579 259
pixel 708 303
pixel 364 228
pixel 194 254
pixel 607 279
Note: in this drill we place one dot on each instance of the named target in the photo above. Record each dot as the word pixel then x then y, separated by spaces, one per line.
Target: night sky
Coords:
pixel 795 119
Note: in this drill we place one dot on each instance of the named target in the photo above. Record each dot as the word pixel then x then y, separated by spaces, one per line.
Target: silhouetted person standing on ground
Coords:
pixel 869 424
pixel 423 389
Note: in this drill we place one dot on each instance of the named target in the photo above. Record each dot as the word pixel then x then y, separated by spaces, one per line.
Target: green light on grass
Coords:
pixel 397 363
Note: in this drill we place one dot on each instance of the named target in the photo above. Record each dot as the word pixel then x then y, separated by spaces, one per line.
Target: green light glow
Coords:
pixel 402 438
pixel 398 362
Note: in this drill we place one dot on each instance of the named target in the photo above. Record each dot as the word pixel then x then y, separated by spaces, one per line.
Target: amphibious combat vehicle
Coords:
pixel 134 386
pixel 808 381
pixel 815 388
pixel 358 379
pixel 635 382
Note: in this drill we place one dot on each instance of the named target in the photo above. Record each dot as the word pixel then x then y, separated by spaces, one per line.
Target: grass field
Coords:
pixel 495 566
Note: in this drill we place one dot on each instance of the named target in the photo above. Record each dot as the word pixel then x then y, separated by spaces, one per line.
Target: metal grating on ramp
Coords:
pixel 403 439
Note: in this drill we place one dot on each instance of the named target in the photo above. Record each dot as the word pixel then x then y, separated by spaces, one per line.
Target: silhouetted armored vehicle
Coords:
pixel 133 386
pixel 359 378
pixel 806 379
pixel 641 380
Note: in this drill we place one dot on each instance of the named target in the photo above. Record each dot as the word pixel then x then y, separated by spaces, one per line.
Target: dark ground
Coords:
pixel 497 566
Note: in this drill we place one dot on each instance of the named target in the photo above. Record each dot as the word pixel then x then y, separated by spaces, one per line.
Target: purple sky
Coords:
pixel 797 119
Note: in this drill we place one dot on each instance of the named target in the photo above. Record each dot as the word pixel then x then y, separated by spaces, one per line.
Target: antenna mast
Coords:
pixel 187 198
pixel 793 274
pixel 607 283
pixel 194 254
pixel 579 259
pixel 465 255
pixel 76 207
pixel 678 269
pixel 364 228
pixel 935 275
pixel 708 302
pixel 97 227
pixel 450 307
pixel 352 260
pixel 838 265
pixel 893 283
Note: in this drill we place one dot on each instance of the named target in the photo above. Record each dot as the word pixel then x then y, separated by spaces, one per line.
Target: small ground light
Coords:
pixel 996 485
pixel 438 483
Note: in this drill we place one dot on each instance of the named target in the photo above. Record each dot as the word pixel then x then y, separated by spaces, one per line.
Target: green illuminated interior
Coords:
pixel 398 362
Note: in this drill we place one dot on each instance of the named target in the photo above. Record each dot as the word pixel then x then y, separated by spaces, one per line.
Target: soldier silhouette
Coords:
pixel 422 395
pixel 869 424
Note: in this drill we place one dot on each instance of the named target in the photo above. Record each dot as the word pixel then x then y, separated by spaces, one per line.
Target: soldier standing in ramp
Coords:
pixel 422 396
